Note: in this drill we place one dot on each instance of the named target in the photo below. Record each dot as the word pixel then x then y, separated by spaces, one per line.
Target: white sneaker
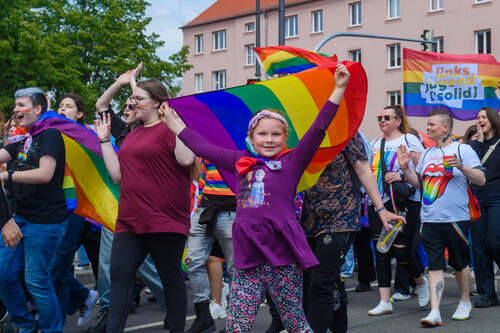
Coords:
pixel 86 310
pixel 397 296
pixel 423 293
pixel 217 311
pixel 381 309
pixel 463 311
pixel 432 319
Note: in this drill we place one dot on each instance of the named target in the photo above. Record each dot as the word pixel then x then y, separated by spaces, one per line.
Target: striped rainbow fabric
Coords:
pixel 222 116
pixel 461 84
pixel 86 175
pixel 290 60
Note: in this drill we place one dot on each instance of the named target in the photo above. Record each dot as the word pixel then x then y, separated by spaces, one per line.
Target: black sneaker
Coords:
pixel 100 327
pixel 486 301
pixel 363 287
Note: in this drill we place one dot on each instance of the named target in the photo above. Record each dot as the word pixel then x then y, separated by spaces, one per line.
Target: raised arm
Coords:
pixel 222 158
pixel 404 162
pixel 103 130
pixel 126 78
pixel 310 142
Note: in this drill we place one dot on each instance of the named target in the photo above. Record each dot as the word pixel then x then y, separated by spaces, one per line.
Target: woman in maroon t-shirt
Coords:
pixel 153 167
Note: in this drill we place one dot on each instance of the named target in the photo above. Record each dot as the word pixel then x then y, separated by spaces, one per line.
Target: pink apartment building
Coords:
pixel 221 40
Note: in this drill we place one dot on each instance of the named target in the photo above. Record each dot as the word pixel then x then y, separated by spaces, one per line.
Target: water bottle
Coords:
pixel 387 236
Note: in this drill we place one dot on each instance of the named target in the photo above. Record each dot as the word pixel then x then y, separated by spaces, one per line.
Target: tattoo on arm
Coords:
pixel 439 289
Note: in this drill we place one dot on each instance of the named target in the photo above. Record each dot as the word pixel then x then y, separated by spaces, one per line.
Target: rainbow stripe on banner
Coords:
pixel 461 84
pixel 86 175
pixel 290 60
pixel 222 116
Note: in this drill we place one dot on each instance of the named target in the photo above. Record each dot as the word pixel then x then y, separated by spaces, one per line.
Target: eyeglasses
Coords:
pixel 386 118
pixel 129 106
pixel 138 99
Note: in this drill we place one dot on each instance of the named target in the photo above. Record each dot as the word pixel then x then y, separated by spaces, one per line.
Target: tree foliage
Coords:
pixel 78 46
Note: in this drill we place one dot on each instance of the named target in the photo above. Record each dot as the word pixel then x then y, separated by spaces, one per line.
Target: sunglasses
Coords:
pixel 386 118
pixel 129 106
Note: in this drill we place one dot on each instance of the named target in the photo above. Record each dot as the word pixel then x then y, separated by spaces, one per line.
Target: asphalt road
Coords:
pixel 149 317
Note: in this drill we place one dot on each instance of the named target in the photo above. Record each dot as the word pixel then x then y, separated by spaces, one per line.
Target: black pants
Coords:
pixel 404 255
pixel 127 254
pixel 364 253
pixel 404 279
pixel 91 241
pixel 322 281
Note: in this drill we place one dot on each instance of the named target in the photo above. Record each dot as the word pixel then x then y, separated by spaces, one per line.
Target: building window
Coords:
pixel 250 27
pixel 317 21
pixel 393 9
pixel 198 82
pixel 291 26
pixel 394 56
pixel 355 13
pixel 219 80
pixel 198 41
pixel 249 55
pixel 439 47
pixel 483 41
pixel 436 5
pixel 355 55
pixel 219 38
pixel 394 97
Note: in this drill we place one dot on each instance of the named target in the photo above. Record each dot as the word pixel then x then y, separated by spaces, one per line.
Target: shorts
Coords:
pixel 436 236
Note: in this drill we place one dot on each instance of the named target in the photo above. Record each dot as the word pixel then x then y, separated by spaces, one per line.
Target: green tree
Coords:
pixel 79 46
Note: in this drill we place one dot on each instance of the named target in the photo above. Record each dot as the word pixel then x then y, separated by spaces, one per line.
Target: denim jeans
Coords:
pixel 32 256
pixel 147 273
pixel 199 248
pixel 348 266
pixel 70 292
pixel 485 234
pixel 83 258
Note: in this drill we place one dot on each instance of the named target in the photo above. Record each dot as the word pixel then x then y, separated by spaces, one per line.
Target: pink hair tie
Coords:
pixel 266 114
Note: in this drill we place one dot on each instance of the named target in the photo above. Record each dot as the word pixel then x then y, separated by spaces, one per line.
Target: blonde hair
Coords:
pixel 266 113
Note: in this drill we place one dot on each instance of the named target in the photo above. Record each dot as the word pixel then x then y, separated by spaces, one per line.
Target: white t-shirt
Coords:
pixel 411 142
pixel 445 196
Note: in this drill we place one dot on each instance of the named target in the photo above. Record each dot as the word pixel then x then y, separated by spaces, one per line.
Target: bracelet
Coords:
pixel 107 140
pixel 405 168
pixel 378 210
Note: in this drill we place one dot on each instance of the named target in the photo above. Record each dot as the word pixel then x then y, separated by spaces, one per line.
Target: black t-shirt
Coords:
pixel 39 203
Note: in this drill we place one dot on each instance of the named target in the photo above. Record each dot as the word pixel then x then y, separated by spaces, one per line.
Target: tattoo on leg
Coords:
pixel 439 289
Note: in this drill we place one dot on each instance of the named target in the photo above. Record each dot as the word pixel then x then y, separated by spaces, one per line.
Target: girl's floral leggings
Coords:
pixel 248 287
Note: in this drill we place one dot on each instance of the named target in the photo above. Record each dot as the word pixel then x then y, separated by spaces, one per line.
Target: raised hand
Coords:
pixel 480 133
pixel 171 118
pixel 136 71
pixel 342 76
pixel 124 79
pixel 403 157
pixel 103 127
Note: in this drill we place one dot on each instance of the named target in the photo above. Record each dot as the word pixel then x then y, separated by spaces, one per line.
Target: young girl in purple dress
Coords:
pixel 270 247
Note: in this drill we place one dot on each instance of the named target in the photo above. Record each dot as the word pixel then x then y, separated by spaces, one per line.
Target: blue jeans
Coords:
pixel 70 292
pixel 83 258
pixel 32 256
pixel 147 273
pixel 199 248
pixel 486 241
pixel 348 266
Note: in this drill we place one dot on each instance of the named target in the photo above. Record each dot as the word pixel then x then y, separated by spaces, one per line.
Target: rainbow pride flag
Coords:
pixel 461 84
pixel 222 116
pixel 290 60
pixel 86 175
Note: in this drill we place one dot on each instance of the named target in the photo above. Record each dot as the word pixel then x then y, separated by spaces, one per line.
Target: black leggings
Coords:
pixel 405 256
pixel 128 252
